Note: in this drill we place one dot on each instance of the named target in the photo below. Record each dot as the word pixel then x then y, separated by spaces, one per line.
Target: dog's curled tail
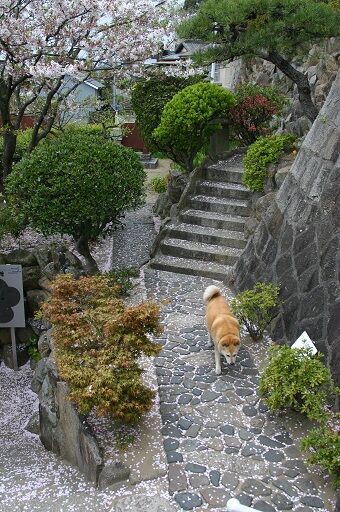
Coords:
pixel 210 292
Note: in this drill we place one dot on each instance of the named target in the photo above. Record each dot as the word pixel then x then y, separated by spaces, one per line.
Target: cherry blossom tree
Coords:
pixel 44 41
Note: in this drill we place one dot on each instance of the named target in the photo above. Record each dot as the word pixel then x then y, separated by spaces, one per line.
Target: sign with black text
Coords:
pixel 12 313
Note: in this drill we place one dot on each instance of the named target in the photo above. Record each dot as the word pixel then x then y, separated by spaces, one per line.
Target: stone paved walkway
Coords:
pixel 219 438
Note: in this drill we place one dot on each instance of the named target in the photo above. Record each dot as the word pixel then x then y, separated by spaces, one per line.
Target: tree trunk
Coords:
pixel 299 79
pixel 10 142
pixel 82 245
pixel 9 136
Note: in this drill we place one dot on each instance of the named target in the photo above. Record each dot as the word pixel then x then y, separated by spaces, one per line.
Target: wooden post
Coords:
pixel 14 349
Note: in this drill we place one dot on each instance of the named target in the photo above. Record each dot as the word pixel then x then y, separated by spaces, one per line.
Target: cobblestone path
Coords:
pixel 219 438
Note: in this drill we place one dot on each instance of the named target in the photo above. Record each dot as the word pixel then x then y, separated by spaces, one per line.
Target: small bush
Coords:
pixel 322 446
pixel 159 184
pixel 33 350
pixel 265 151
pixel 122 279
pixel 295 379
pixel 98 341
pixel 189 119
pixel 254 308
pixel 254 109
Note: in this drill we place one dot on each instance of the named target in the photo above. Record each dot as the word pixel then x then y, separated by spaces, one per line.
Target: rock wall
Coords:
pixel 297 242
pixel 320 64
pixel 62 430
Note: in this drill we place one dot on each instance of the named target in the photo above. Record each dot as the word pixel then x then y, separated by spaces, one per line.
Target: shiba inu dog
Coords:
pixel 223 327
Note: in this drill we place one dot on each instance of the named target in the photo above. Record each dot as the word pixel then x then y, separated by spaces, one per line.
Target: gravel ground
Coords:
pixel 132 244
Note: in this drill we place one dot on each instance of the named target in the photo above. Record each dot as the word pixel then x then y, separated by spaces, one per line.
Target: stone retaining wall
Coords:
pixel 320 65
pixel 297 242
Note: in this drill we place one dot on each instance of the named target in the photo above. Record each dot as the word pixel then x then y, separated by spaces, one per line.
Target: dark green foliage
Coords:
pixel 76 184
pixel 12 219
pixel 149 98
pixel 322 446
pixel 254 110
pixel 33 350
pixel 122 279
pixel 254 308
pixel 254 27
pixel 264 151
pixel 189 119
pixel 159 184
pixel 295 379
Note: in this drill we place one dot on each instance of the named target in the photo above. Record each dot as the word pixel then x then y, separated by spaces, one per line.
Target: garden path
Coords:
pixel 219 438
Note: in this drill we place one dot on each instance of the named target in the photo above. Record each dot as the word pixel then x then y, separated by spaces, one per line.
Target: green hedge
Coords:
pixel 265 151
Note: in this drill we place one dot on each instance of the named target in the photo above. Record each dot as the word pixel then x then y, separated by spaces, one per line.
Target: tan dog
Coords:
pixel 223 328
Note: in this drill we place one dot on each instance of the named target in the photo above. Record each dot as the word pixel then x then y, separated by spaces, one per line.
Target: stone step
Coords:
pixel 220 205
pixel 143 156
pixel 227 175
pixel 150 164
pixel 200 251
pixel 213 220
pixel 206 235
pixel 222 189
pixel 191 267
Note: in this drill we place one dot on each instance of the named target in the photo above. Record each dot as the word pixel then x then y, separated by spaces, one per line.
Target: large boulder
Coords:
pixel 43 255
pixel 176 185
pixel 21 257
pixel 45 343
pixel 34 299
pixel 62 429
pixel 112 473
pixel 163 205
pixel 33 424
pixel 30 277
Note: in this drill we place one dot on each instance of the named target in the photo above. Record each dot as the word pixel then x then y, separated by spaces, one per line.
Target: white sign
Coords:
pixel 12 313
pixel 304 341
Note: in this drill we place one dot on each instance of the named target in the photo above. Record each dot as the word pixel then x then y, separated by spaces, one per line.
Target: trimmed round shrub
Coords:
pixel 264 151
pixel 190 118
pixel 76 184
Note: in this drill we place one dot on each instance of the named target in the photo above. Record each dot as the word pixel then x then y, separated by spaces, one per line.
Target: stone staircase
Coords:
pixel 207 238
